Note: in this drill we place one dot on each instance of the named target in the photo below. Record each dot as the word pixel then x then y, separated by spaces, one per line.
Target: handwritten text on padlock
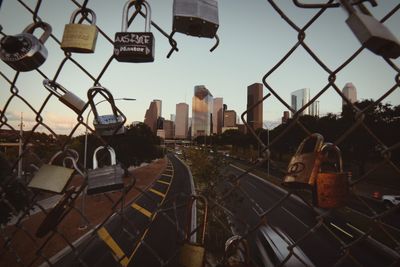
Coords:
pixel 133 38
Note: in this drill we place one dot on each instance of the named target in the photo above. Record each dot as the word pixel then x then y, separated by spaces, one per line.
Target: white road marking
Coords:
pixel 341 230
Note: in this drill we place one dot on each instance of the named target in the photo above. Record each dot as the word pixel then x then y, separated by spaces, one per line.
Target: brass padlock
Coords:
pixel 196 17
pixel 106 178
pixel 68 98
pixel 134 46
pixel 80 38
pixel 54 178
pixel 371 33
pixel 304 164
pixel 25 52
pixel 332 184
pixel 193 253
pixel 106 125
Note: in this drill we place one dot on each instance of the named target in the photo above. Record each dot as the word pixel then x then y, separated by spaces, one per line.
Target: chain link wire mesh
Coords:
pixel 226 198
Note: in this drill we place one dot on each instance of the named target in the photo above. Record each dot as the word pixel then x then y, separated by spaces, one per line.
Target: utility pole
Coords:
pixel 21 125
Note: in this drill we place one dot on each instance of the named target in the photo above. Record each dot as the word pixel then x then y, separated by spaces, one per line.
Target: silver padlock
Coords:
pixel 106 125
pixel 80 38
pixel 66 97
pixel 371 33
pixel 107 178
pixel 196 17
pixel 25 52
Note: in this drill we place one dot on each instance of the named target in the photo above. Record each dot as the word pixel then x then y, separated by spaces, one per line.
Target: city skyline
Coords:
pixel 227 70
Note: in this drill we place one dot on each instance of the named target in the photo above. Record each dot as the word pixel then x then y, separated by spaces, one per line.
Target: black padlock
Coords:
pixel 134 46
pixel 25 52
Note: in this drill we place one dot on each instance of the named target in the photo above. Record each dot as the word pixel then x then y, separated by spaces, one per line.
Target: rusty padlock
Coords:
pixel 304 164
pixel 66 97
pixel 193 253
pixel 80 38
pixel 332 184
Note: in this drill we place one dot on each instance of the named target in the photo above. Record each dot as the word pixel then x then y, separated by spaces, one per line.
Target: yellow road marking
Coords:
pixel 162 182
pixel 157 192
pixel 144 211
pixel 167 175
pixel 107 238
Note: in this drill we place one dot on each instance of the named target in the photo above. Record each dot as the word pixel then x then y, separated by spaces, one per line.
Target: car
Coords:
pixel 391 200
pixel 272 245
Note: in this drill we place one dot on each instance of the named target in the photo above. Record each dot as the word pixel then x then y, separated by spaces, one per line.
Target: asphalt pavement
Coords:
pixel 324 244
pixel 149 231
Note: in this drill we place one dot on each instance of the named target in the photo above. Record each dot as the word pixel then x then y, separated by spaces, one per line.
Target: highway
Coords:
pixel 149 232
pixel 254 197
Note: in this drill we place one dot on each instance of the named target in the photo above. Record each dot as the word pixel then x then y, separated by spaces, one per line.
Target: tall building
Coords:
pixel 172 117
pixel 159 107
pixel 314 109
pixel 299 99
pixel 168 129
pixel 255 116
pixel 150 118
pixel 229 118
pixel 285 117
pixel 181 121
pixel 350 92
pixel 218 113
pixel 202 107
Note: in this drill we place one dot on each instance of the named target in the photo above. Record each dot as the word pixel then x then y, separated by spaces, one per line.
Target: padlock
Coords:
pixel 196 17
pixel 192 254
pixel 54 178
pixel 106 125
pixel 332 184
pixel 371 33
pixel 237 253
pixel 24 52
pixel 304 164
pixel 107 178
pixel 66 97
pixel 134 46
pixel 80 38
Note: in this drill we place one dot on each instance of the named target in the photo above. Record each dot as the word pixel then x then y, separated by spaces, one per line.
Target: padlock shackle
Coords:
pixel 53 86
pixel 235 241
pixel 45 26
pixel 91 93
pixel 324 155
pixel 80 11
pixel 71 151
pixel 192 200
pixel 112 154
pixel 125 11
pixel 319 140
pixel 74 164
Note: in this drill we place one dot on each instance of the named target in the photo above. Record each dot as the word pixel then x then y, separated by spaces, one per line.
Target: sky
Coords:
pixel 253 38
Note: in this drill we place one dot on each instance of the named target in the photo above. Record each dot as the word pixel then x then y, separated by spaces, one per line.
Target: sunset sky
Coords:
pixel 253 38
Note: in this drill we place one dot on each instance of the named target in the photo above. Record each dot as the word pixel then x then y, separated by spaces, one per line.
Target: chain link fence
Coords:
pixel 271 224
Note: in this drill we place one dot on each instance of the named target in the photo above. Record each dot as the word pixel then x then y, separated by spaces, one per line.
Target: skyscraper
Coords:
pixel 299 99
pixel 218 114
pixel 168 129
pixel 229 118
pixel 350 92
pixel 285 117
pixel 159 107
pixel 181 120
pixel 150 118
pixel 255 116
pixel 202 107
